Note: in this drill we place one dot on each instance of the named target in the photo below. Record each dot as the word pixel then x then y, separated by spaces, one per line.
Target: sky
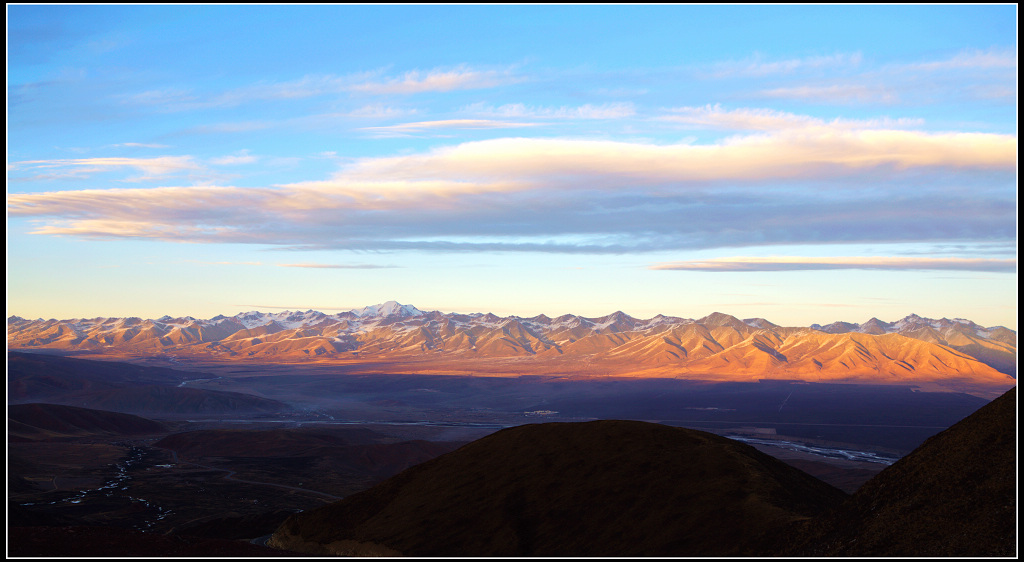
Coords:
pixel 799 164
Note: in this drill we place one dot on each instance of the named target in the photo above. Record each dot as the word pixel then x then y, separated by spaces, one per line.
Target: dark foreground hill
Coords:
pixel 614 488
pixel 611 488
pixel 100 542
pixel 955 495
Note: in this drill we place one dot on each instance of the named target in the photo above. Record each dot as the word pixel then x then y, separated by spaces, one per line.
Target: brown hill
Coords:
pixel 611 488
pixel 358 452
pixel 265 443
pixel 36 377
pixel 102 542
pixel 955 495
pixel 121 387
pixel 164 400
pixel 31 422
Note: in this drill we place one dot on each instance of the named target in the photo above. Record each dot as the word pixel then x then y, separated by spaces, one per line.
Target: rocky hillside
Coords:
pixel 912 350
pixel 955 495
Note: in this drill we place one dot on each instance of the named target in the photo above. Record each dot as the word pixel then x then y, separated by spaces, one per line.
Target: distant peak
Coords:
pixel 720 319
pixel 389 308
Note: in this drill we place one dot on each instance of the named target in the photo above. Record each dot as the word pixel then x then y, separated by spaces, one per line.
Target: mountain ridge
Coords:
pixel 911 350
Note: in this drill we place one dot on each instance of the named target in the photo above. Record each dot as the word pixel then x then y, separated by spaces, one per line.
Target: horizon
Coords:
pixel 356 310
pixel 801 164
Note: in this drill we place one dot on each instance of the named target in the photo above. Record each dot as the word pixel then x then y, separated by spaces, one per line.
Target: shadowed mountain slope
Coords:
pixel 604 488
pixel 169 400
pixel 102 542
pixel 35 377
pixel 121 387
pixel 308 453
pixel 31 422
pixel 955 495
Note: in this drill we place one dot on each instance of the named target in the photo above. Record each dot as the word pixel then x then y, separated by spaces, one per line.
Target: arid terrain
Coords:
pixel 956 355
pixel 223 438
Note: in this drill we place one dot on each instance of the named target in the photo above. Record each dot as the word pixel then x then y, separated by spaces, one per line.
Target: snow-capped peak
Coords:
pixel 386 309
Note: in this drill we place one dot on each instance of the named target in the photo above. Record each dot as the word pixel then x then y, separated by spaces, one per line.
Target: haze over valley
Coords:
pixel 651 280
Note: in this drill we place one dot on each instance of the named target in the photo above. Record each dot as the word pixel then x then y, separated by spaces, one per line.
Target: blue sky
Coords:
pixel 801 164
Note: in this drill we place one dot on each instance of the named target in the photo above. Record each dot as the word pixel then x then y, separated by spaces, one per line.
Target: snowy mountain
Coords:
pixel 718 345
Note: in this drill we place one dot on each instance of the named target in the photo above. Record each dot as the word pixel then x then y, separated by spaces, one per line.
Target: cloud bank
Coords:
pixel 793 179
pixel 791 263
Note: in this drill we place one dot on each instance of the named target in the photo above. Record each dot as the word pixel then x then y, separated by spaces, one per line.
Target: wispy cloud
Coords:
pixel 239 157
pixel 980 74
pixel 422 126
pixel 141 145
pixel 338 266
pixel 761 66
pixel 375 111
pixel 228 262
pixel 586 111
pixel 834 93
pixel 438 80
pixel 796 263
pixel 974 59
pixel 462 77
pixel 759 119
pixel 78 167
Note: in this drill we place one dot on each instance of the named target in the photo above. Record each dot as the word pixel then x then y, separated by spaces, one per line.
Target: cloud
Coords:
pixel 760 66
pixel 437 80
pixel 973 59
pixel 461 77
pixel 337 266
pixel 791 263
pixel 834 93
pixel 239 157
pixel 228 262
pixel 421 126
pixel 587 111
pixel 376 111
pixel 757 119
pixel 817 152
pixel 141 145
pixel 78 167
pixel 979 74
pixel 793 180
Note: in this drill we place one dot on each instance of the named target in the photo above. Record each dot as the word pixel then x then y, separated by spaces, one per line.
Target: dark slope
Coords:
pixel 30 422
pixel 284 442
pixel 171 400
pixel 604 488
pixel 357 458
pixel 105 542
pixel 37 377
pixel 955 495
pixel 121 387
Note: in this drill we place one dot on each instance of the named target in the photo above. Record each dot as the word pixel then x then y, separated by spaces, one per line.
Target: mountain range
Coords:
pixel 912 350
